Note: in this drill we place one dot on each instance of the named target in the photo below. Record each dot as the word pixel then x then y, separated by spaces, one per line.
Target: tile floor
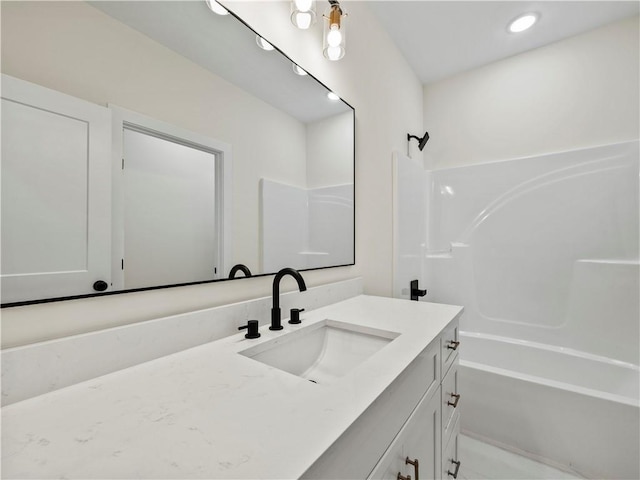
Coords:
pixel 482 461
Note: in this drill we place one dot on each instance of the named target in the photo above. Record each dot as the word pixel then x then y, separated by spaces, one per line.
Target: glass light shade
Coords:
pixel 303 20
pixel 334 38
pixel 303 5
pixel 334 53
pixel 303 13
pixel 216 7
pixel 523 22
pixel 263 44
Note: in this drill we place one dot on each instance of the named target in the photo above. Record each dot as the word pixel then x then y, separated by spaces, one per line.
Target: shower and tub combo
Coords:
pixel 543 254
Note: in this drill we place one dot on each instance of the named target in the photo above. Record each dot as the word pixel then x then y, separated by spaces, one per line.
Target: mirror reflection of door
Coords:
pixel 55 195
pixel 171 233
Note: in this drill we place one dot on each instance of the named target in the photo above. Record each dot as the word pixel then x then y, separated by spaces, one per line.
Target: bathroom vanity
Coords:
pixel 361 388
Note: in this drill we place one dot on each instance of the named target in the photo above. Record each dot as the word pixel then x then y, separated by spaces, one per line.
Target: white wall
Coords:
pixel 376 80
pixel 373 77
pixel 330 163
pixel 579 92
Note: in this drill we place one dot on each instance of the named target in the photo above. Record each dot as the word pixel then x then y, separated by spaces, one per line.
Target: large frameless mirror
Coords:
pixel 151 144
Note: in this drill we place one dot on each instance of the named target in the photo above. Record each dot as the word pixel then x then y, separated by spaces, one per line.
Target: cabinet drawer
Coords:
pixel 450 400
pixel 419 441
pixel 449 346
pixel 450 454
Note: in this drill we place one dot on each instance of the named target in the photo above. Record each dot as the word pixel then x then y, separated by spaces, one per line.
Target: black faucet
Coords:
pixel 239 268
pixel 276 319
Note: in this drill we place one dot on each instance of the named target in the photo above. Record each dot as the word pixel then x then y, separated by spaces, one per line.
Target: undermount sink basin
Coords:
pixel 323 351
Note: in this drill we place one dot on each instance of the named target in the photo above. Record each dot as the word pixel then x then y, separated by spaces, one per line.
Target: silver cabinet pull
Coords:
pixel 454 474
pixel 453 345
pixel 456 397
pixel 407 461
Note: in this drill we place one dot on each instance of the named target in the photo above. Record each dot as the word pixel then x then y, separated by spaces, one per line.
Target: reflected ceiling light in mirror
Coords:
pixel 298 70
pixel 333 46
pixel 332 96
pixel 263 44
pixel 216 7
pixel 523 22
pixel 303 13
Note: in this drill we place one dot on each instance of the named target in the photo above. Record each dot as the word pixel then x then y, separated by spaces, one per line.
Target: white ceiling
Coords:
pixel 226 47
pixel 442 38
pixel 438 38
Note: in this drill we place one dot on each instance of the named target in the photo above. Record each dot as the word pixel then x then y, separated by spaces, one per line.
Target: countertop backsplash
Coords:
pixel 32 370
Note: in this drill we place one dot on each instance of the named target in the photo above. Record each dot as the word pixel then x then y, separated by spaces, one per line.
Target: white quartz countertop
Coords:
pixel 210 412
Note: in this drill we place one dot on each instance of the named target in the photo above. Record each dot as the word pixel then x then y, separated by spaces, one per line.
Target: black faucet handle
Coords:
pixel 415 291
pixel 252 329
pixel 295 315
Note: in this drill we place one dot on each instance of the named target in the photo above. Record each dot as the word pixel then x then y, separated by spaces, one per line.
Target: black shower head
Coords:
pixel 421 141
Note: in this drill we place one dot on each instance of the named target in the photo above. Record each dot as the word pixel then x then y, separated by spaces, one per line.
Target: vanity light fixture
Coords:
pixel 333 45
pixel 216 7
pixel 298 70
pixel 333 96
pixel 303 13
pixel 523 22
pixel 263 44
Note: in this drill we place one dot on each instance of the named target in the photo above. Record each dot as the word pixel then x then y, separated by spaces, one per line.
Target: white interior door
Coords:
pixel 170 233
pixel 56 179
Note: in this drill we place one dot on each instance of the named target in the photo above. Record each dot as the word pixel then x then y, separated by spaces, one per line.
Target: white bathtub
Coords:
pixel 563 407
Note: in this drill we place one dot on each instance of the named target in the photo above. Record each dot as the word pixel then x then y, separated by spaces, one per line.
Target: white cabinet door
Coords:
pixel 450 458
pixel 391 463
pixel 56 201
pixel 424 441
pixel 418 440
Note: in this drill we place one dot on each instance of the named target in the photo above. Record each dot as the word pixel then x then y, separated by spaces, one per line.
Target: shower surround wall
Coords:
pixel 543 254
pixel 298 225
pixel 542 248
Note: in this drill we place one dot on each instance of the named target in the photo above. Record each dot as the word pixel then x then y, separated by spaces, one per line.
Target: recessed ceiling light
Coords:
pixel 333 96
pixel 263 44
pixel 523 22
pixel 216 7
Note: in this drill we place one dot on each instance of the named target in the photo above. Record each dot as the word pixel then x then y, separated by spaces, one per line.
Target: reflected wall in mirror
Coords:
pixel 281 169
